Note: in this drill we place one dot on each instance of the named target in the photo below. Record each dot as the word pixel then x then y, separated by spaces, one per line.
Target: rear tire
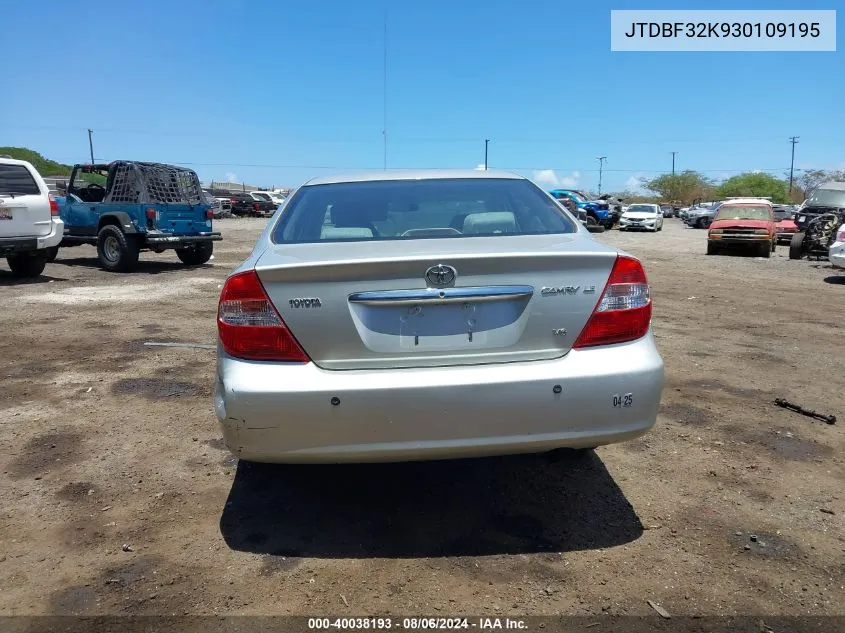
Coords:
pixel 117 251
pixel 52 253
pixel 196 255
pixel 796 246
pixel 27 265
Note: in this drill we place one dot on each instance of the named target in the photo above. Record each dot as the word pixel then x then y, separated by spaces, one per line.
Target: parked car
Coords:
pixel 220 207
pixel 598 212
pixel 746 223
pixel 785 223
pixel 245 204
pixel 30 226
pixel 266 204
pixel 836 253
pixel 126 207
pixel 642 217
pixel 277 198
pixel 667 210
pixel 614 205
pixel 700 216
pixel 569 205
pixel 817 220
pixel 429 315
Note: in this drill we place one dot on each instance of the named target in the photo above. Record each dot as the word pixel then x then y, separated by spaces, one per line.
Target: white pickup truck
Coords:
pixel 30 227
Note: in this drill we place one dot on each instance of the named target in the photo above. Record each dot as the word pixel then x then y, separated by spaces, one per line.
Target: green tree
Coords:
pixel 684 187
pixel 805 180
pixel 44 166
pixel 755 185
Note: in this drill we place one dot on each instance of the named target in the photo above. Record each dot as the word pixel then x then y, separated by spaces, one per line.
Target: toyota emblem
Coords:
pixel 440 276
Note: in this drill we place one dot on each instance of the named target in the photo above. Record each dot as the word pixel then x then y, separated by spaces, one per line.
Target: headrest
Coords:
pixel 358 213
pixel 493 222
pixel 345 233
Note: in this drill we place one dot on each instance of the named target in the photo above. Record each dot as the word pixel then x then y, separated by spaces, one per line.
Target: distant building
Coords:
pixel 223 188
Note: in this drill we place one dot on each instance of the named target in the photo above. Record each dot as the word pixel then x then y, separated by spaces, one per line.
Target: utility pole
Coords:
pixel 793 140
pixel 601 160
pixel 673 162
pixel 91 144
pixel 486 142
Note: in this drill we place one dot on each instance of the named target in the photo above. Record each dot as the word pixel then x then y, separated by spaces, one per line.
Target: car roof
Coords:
pixel 416 174
pixel 833 184
pixel 746 201
pixel 15 161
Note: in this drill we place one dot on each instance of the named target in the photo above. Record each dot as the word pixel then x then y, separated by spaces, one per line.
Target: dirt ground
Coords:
pixel 120 498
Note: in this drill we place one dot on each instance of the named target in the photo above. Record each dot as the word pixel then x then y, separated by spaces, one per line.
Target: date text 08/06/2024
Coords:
pixel 416 623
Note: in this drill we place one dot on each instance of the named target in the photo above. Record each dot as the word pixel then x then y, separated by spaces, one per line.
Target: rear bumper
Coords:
pixel 639 226
pixel 277 412
pixel 12 245
pixel 182 240
pixel 739 239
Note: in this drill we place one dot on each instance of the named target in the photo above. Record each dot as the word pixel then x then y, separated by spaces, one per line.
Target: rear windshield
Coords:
pixel 743 212
pixel 827 198
pixel 262 196
pixel 16 179
pixel 419 209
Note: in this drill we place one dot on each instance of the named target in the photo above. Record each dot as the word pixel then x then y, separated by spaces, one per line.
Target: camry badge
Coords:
pixel 551 291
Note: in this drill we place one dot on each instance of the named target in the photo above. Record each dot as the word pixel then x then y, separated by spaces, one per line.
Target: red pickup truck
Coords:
pixel 747 223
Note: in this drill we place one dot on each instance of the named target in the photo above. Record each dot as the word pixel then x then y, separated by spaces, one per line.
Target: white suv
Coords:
pixel 30 228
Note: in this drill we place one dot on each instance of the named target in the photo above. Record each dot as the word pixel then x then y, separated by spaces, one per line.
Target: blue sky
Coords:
pixel 277 92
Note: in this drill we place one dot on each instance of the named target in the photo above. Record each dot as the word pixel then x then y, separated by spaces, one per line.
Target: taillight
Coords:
pixel 256 206
pixel 840 237
pixel 232 201
pixel 151 214
pixel 209 214
pixel 623 312
pixel 249 325
pixel 54 205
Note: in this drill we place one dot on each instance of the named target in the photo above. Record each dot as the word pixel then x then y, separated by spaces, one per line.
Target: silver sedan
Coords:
pixel 429 315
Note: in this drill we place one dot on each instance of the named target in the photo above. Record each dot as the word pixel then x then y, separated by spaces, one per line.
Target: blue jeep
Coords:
pixel 125 207
pixel 598 211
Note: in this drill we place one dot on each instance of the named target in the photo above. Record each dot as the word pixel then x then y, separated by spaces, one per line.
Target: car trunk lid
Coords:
pixel 357 305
